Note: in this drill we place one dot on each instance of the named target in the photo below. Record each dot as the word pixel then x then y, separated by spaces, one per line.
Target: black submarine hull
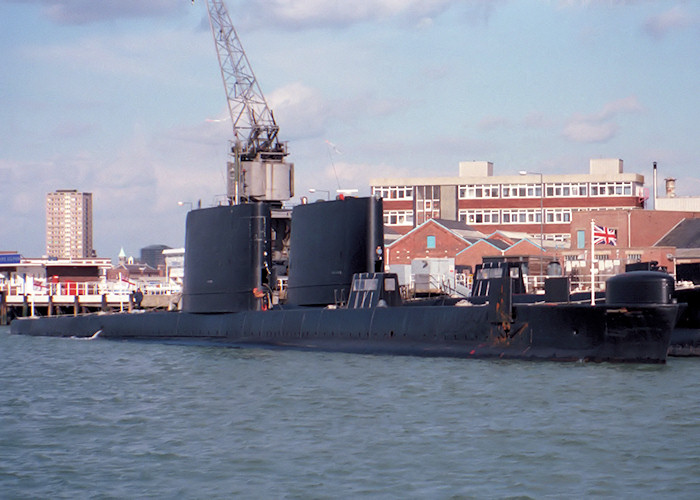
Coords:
pixel 572 332
pixel 339 300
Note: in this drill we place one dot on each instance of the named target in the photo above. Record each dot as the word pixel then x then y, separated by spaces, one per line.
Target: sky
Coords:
pixel 124 98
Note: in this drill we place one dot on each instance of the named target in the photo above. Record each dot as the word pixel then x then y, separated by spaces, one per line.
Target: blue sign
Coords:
pixel 10 258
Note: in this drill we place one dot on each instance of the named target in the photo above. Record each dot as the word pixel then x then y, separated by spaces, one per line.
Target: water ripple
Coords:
pixel 107 419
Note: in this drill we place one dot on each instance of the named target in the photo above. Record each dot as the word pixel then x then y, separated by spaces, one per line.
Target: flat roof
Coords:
pixel 505 179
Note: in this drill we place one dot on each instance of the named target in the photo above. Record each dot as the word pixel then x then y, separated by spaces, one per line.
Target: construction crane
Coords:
pixel 257 170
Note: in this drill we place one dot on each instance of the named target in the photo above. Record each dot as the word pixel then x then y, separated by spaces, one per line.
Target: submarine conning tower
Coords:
pixel 640 287
pixel 227 256
pixel 330 242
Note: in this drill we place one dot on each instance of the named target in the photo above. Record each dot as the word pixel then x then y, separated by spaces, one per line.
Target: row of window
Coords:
pixel 394 192
pixel 398 217
pixel 521 191
pixel 561 237
pixel 552 190
pixel 478 191
pixel 611 188
pixel 515 216
pixel 631 257
pixel 484 216
pixel 532 190
pixel 599 256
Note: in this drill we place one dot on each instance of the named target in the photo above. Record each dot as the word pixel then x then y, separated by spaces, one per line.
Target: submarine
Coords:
pixel 338 297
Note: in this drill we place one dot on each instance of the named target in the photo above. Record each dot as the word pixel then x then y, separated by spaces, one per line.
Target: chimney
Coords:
pixel 654 186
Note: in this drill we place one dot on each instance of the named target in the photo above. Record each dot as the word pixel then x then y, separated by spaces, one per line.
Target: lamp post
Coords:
pixel 525 172
pixel 328 193
pixel 183 203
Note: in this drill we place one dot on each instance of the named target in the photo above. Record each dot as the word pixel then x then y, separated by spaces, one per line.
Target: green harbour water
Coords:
pixel 107 419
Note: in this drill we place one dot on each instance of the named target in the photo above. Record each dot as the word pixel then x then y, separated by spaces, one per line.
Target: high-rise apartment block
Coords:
pixel 69 224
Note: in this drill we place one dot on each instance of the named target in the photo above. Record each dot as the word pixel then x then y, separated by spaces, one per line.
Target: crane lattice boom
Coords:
pixel 254 127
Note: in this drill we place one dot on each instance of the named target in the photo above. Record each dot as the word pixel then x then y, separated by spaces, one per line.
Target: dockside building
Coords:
pixel 540 205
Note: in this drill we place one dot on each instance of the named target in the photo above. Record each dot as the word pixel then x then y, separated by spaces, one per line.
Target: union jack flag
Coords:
pixel 604 236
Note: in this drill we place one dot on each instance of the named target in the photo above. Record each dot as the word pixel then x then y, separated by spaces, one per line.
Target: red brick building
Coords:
pixel 437 239
pixel 640 238
pixel 540 205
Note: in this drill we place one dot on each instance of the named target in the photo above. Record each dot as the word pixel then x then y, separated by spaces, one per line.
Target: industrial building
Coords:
pixel 69 224
pixel 671 202
pixel 663 236
pixel 530 202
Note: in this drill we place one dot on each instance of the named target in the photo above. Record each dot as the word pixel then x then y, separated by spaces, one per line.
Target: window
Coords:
pixel 393 192
pixel 476 191
pixel 566 189
pixel 398 217
pixel 487 216
pixel 521 216
pixel 580 239
pixel 521 190
pixel 430 243
pixel 611 188
pixel 427 203
pixel 558 215
pixel 365 284
pixel 560 237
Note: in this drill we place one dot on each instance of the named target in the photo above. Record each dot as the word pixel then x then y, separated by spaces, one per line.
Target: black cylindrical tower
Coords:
pixel 227 256
pixel 330 242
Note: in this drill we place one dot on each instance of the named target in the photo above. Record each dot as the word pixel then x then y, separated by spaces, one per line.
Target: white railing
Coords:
pixel 86 288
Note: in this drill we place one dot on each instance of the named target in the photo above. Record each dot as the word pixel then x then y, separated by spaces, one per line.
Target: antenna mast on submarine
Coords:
pixel 257 170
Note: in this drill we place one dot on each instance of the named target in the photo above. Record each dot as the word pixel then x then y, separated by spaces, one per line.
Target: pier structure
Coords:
pixel 49 287
pixel 76 298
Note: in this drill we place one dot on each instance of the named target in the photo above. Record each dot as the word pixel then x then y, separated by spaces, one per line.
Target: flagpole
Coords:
pixel 592 262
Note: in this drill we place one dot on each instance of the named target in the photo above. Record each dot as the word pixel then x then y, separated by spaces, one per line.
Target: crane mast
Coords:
pixel 257 170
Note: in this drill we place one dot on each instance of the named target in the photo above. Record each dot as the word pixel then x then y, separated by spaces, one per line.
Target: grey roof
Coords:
pixel 454 224
pixel 156 247
pixel 503 245
pixel 461 228
pixel 685 235
pixel 688 253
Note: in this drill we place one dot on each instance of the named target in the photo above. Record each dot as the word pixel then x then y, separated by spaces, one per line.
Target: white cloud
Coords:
pixel 292 14
pixel 659 25
pixel 590 131
pixel 587 3
pixel 312 12
pixel 135 191
pixel 357 175
pixel 301 111
pixel 625 105
pixel 90 11
pixel 124 56
pixel 672 19
pixel 295 14
pixel 600 126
